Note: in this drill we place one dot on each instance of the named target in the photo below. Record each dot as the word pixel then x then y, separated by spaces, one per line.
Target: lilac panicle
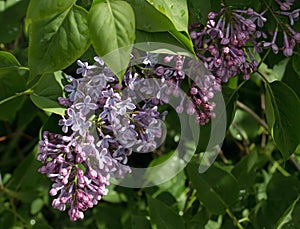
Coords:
pixel 101 128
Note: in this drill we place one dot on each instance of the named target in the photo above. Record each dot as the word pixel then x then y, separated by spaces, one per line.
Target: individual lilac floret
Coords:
pixel 290 36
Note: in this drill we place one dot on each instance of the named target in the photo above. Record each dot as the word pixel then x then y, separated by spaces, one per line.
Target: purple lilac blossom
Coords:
pixel 81 162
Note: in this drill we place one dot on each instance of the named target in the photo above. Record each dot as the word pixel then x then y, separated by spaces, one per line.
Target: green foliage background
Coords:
pixel 254 182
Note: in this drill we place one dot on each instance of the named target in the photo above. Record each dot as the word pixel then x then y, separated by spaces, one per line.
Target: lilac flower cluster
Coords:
pixel 101 130
pixel 106 120
pixel 167 82
pixel 201 92
pixel 224 43
pixel 290 36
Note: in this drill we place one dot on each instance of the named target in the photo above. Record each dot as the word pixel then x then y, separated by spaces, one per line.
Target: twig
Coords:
pixel 234 219
pixel 254 115
pixel 295 163
pixel 188 197
pixel 263 108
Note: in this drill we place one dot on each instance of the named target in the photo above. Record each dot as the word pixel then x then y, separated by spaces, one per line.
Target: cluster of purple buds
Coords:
pixel 166 85
pixel 290 36
pixel 221 44
pixel 102 128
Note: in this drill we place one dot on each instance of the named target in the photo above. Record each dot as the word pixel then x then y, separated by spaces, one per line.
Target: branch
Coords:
pixel 254 115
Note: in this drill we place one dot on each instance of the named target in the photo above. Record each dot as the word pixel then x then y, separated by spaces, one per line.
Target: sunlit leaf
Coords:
pixel 46 91
pixel 112 31
pixel 57 41
pixel 175 10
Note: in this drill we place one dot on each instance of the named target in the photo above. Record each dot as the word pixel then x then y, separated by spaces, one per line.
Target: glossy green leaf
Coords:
pixel 12 88
pixel 43 9
pixel 163 216
pixel 184 39
pixel 216 188
pixel 112 31
pixel 8 60
pixel 46 91
pixel 157 38
pixel 57 41
pixel 175 10
pixel 148 18
pixel 292 75
pixel 283 115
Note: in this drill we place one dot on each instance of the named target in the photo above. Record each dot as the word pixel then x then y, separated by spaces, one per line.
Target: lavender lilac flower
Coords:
pixel 100 131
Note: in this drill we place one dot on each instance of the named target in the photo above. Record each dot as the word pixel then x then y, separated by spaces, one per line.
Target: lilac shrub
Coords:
pixel 106 120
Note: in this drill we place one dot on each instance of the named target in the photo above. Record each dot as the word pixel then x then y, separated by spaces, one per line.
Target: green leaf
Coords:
pixel 12 88
pixel 291 217
pixel 199 9
pixel 140 221
pixel 230 97
pixel 199 220
pixel 43 9
pixel 57 41
pixel 7 219
pixel 112 31
pixel 175 10
pixel 163 216
pixel 157 38
pixel 282 192
pixel 241 3
pixel 12 13
pixel 296 64
pixel 216 188
pixel 109 216
pixel 184 39
pixel 292 76
pixel 245 126
pixel 283 115
pixel 8 60
pixel 244 171
pixel 46 91
pixel 36 206
pixel 25 177
pixel 148 18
